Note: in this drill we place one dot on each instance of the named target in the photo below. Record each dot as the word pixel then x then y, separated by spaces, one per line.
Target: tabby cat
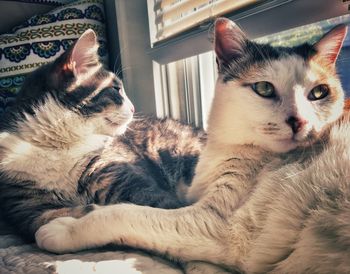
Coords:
pixel 66 145
pixel 271 191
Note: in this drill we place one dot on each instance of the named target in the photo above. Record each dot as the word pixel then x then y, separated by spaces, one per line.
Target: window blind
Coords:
pixel 170 17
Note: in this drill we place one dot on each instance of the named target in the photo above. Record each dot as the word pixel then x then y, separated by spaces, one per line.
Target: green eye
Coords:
pixel 264 89
pixel 318 93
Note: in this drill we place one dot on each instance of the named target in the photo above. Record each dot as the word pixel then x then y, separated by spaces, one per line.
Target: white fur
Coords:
pixel 236 119
pixel 53 147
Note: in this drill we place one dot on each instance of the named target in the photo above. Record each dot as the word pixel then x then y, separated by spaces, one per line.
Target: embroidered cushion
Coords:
pixel 42 38
pixel 46 2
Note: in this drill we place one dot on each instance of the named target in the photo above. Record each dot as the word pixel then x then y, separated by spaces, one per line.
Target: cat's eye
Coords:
pixel 318 93
pixel 264 89
pixel 118 89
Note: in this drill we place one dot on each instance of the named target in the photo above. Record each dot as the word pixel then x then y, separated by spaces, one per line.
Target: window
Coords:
pixel 170 17
pixel 184 65
pixel 188 88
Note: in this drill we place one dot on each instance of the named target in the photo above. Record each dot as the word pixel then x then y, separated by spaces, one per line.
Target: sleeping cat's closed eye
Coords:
pixel 117 89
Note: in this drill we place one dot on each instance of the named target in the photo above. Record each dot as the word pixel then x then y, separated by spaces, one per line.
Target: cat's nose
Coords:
pixel 296 123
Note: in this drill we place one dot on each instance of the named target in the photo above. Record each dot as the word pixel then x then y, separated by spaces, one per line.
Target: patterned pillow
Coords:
pixel 46 2
pixel 42 38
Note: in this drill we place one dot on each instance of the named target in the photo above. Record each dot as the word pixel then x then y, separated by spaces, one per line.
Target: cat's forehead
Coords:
pixel 101 76
pixel 286 71
pixel 283 66
pixel 258 57
pixel 291 70
pixel 97 81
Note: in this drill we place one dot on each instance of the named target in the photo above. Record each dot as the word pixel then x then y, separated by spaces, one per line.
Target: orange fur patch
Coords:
pixel 347 104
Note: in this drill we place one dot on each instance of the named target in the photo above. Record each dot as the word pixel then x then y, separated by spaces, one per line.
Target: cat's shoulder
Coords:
pixel 163 127
pixel 149 133
pixel 151 122
pixel 339 131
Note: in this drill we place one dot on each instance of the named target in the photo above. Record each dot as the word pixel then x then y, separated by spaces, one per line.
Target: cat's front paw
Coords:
pixel 58 235
pixel 196 267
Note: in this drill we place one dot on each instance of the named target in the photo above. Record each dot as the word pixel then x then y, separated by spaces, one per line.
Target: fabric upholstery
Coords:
pixel 42 38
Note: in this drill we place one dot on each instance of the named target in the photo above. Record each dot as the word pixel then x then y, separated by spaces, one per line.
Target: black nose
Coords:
pixel 295 123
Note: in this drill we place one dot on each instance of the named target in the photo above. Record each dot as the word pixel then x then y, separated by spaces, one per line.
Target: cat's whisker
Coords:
pixel 115 70
pixel 292 174
pixel 119 70
pixel 138 117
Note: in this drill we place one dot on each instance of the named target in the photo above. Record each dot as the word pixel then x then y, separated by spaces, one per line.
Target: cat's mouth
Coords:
pixel 297 140
pixel 288 141
pixel 119 126
pixel 112 123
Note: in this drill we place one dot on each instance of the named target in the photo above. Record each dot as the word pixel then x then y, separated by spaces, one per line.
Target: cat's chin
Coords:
pixel 281 145
pixel 112 128
pixel 116 129
pixel 284 145
pixel 120 130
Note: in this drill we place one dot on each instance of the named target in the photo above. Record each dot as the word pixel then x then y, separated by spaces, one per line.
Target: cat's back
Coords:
pixel 151 164
pixel 158 140
pixel 153 135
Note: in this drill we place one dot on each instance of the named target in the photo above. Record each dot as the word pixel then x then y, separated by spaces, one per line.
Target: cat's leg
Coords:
pixel 204 268
pixel 191 233
pixel 74 212
pixel 32 223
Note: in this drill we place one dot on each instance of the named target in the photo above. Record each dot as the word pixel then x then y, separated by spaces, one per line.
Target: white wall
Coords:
pixel 134 42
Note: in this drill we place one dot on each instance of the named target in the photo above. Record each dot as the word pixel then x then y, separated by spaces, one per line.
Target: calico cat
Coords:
pixel 271 191
pixel 69 143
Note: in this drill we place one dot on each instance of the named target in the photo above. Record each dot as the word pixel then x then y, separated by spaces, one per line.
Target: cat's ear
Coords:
pixel 229 41
pixel 84 54
pixel 328 47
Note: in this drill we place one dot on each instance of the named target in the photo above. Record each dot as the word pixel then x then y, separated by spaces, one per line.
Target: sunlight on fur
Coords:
pixel 22 148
